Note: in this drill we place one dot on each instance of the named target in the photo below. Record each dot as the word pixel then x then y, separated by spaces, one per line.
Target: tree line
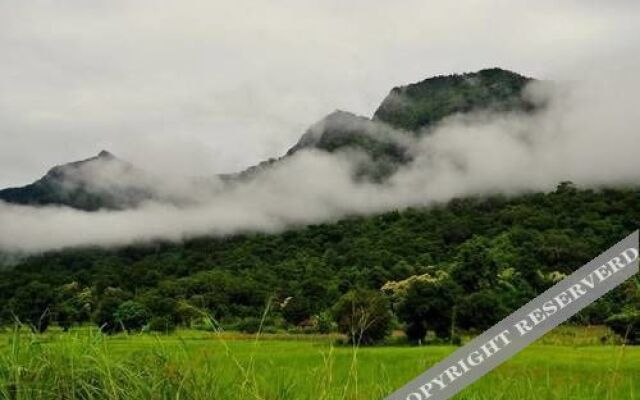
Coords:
pixel 433 272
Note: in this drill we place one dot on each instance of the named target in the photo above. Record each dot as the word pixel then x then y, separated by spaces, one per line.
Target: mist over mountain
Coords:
pixel 404 115
pixel 484 133
pixel 103 181
pixel 106 182
pixel 423 104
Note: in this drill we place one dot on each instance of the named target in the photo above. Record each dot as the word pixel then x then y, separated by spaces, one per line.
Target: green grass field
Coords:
pixel 200 365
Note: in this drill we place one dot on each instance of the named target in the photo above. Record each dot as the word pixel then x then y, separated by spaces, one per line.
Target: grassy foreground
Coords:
pixel 198 365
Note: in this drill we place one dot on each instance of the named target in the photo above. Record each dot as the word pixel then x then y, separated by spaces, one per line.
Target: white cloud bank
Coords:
pixel 589 133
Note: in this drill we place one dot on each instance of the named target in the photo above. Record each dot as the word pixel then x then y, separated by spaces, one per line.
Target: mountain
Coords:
pixel 410 109
pixel 106 182
pixel 423 104
pixel 100 182
pixel 406 113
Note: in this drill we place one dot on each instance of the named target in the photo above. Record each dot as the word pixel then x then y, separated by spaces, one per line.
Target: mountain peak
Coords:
pixel 339 114
pixel 101 181
pixel 495 72
pixel 105 154
pixel 425 103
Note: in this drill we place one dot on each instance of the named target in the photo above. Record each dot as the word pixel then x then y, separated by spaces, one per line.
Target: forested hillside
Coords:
pixel 495 253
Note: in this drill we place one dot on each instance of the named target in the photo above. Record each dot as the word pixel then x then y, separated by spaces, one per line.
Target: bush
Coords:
pixel 324 322
pixel 248 325
pixel 131 315
pixel 162 324
pixel 626 325
pixel 364 316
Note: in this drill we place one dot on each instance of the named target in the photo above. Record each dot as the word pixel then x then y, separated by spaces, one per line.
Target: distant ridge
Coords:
pixel 106 182
pixel 410 110
pixel 91 184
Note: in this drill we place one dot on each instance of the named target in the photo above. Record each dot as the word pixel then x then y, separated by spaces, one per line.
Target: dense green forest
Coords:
pixel 469 262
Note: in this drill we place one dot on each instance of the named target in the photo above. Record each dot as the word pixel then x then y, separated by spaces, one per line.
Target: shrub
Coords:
pixel 249 325
pixel 364 316
pixel 627 325
pixel 324 322
pixel 131 315
pixel 162 324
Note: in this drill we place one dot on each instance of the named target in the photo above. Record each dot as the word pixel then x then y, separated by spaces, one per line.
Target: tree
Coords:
pixel 131 315
pixel 105 314
pixel 475 268
pixel 32 305
pixel 163 324
pixel 296 309
pixel 364 316
pixel 73 305
pixel 425 302
pixel 481 310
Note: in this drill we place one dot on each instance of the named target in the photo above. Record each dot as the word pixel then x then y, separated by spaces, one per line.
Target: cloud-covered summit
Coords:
pixel 383 144
pixel 192 86
pixel 583 131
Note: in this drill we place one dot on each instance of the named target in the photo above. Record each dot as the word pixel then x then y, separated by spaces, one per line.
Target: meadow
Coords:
pixel 569 363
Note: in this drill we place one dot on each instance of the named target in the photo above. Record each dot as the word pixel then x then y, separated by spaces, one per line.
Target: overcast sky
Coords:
pixel 199 87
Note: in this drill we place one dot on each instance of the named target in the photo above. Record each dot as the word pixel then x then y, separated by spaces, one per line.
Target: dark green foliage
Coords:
pixel 426 303
pixel 425 103
pixel 324 322
pixel 480 310
pixel 161 324
pixel 73 305
pixel 364 316
pixel 32 304
pixel 297 310
pixel 626 325
pixel 131 315
pixel 511 250
pixel 249 325
pixel 105 315
pixel 475 269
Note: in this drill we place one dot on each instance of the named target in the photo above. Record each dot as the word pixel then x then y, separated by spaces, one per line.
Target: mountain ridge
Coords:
pixel 492 89
pixel 90 184
pixel 406 113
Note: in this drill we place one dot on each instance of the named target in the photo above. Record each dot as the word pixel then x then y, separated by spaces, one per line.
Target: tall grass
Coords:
pixel 85 364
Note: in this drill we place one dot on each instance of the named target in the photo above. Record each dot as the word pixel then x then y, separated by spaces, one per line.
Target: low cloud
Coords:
pixel 586 132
